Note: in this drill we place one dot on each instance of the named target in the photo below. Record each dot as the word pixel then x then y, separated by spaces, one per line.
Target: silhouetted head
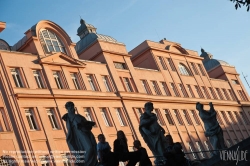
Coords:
pixel 137 144
pixel 121 135
pixel 101 138
pixel 199 106
pixel 149 107
pixel 169 139
pixel 70 106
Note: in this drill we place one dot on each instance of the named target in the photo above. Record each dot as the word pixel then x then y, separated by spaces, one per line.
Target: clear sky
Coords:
pixel 214 25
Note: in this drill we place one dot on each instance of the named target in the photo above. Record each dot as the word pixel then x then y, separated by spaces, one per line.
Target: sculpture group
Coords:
pixel 82 142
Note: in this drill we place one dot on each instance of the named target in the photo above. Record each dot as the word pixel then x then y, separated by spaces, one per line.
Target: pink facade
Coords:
pixel 109 85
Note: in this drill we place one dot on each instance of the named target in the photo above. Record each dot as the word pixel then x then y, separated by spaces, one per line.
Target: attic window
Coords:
pixel 235 81
pixel 120 65
pixel 51 42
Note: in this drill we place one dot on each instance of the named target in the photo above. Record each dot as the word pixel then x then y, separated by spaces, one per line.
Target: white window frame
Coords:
pixel 58 79
pixel 107 84
pixel 92 82
pixel 156 88
pixel 127 84
pixel 31 119
pixel 75 80
pixel 120 116
pixel 191 149
pixel 52 118
pixel 105 117
pixel 17 78
pixel 199 146
pixel 44 160
pixel 56 42
pixel 165 88
pixel 38 77
pixel 183 70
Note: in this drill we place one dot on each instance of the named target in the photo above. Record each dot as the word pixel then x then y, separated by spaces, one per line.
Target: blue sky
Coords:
pixel 214 25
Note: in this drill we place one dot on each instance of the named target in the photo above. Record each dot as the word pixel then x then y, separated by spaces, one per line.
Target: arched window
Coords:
pixel 51 42
pixel 183 69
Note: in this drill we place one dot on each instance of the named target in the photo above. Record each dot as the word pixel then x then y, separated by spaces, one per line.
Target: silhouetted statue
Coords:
pixel 152 132
pixel 212 127
pixel 79 137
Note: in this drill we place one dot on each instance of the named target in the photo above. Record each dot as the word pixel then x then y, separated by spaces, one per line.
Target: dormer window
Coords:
pixel 120 65
pixel 183 69
pixel 51 42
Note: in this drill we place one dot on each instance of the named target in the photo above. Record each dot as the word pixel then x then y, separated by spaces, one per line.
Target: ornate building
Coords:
pixel 109 85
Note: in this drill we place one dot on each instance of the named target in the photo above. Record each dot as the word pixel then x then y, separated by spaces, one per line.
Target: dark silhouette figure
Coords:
pixel 80 139
pixel 105 156
pixel 212 127
pixel 121 148
pixel 140 155
pixel 174 154
pixel 152 133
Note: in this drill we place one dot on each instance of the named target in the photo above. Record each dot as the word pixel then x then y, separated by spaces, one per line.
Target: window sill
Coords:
pixel 6 132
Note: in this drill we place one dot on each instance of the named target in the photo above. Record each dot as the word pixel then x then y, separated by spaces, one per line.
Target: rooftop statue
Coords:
pixel 80 139
pixel 152 133
pixel 212 127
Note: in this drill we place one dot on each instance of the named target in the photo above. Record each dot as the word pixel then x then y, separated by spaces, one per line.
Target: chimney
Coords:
pixel 2 26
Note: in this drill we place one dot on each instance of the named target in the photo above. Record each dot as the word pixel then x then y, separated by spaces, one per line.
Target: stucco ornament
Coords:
pixel 153 133
pixel 80 139
pixel 212 127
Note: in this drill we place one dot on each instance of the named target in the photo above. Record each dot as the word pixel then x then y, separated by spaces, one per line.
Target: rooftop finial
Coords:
pixel 202 50
pixel 81 20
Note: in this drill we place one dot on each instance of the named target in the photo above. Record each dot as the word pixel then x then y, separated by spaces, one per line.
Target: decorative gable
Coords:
pixel 62 60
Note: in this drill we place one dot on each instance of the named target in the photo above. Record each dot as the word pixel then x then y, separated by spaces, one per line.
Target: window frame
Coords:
pixel 156 87
pixel 184 70
pixel 32 121
pixel 53 118
pixel 57 75
pixel 105 116
pixel 18 81
pixel 107 83
pixel 120 116
pixel 92 82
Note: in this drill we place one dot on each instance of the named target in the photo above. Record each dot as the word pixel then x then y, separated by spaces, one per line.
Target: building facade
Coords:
pixel 109 86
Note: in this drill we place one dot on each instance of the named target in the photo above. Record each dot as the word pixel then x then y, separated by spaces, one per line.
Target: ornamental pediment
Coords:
pixel 60 58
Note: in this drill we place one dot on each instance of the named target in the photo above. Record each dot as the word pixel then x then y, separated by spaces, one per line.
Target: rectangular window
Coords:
pixel 163 65
pixel 219 119
pixel 44 160
pixel 194 68
pixel 31 119
pixel 38 77
pixel 198 91
pixel 196 118
pixel 178 117
pixel 236 82
pixel 159 117
pixel 120 65
pixel 200 149
pixel 89 114
pixel 226 94
pixel 204 90
pixel 133 85
pixel 231 117
pixel 238 118
pixel 225 117
pixel 165 88
pixel 127 84
pixel 52 118
pixel 105 117
pixel 232 94
pixel 4 126
pixel 219 93
pixel 212 92
pixel 156 88
pixel 169 117
pixel 201 69
pixel 138 112
pixel 107 83
pixel 190 91
pixel 66 160
pixel 75 80
pixel 191 148
pixel 242 95
pixel 171 64
pixel 120 117
pixel 58 79
pixel 92 82
pixel 208 147
pixel 146 87
pixel 183 90
pixel 176 93
pixel 15 72
pixel 244 118
pixel 187 118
